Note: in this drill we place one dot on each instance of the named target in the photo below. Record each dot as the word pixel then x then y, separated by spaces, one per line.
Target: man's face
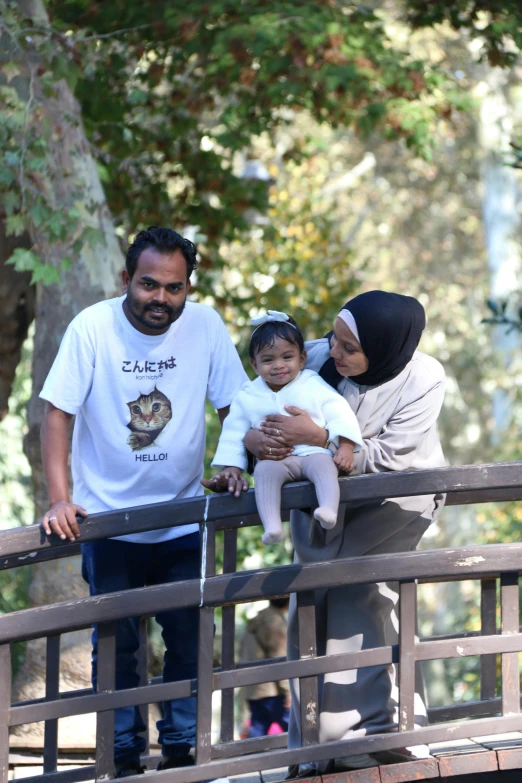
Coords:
pixel 157 292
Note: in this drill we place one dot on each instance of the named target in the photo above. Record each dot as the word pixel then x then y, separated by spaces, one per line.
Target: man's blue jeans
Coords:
pixel 110 566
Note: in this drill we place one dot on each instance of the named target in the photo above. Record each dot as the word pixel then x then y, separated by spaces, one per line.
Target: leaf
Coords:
pixel 493 306
pixel 38 213
pixel 15 225
pixel 10 201
pixel 92 237
pixel 11 70
pixel 23 260
pixel 46 274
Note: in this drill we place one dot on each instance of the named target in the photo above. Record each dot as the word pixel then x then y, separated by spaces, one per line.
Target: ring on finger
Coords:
pixel 53 519
pixel 278 433
pixel 270 451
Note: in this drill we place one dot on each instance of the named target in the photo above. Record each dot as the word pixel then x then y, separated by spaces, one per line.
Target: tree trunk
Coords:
pixel 94 276
pixel 17 302
pixel 501 207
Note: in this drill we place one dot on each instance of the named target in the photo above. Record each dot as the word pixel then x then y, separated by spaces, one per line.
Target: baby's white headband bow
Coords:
pixel 270 316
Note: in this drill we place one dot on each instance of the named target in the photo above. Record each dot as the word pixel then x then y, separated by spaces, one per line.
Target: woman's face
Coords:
pixel 346 351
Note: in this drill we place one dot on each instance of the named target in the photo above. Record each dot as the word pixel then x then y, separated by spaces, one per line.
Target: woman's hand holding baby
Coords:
pixel 230 478
pixel 293 430
pixel 265 446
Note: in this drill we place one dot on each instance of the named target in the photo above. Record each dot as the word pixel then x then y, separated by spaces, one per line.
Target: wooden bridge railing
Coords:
pixel 470 484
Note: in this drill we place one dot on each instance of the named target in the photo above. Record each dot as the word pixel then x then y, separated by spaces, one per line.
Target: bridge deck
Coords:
pixel 447 760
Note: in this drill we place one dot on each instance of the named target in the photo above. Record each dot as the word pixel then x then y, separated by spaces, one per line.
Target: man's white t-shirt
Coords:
pixel 139 402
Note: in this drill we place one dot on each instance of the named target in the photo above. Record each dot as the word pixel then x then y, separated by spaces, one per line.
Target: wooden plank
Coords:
pixel 460 648
pixel 5 703
pixel 509 604
pixel 459 480
pixel 308 686
pixel 467 763
pixel 250 777
pixel 370 743
pixel 407 626
pixel 228 639
pixel 205 649
pixel 106 681
pixel 256 673
pixel 64 708
pixel 52 690
pixel 421 769
pixel 56 548
pixel 246 747
pixel 470 709
pixel 509 758
pixel 511 739
pixel 369 775
pixel 463 757
pixel 468 562
pixel 64 776
pixel 273 775
pixel 488 616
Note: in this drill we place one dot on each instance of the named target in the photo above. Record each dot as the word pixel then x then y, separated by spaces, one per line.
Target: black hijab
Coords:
pixel 390 327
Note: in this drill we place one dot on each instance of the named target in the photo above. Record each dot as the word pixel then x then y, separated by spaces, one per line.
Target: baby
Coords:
pixel 277 355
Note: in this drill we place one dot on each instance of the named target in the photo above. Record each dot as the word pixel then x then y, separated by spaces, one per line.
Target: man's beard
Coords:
pixel 143 313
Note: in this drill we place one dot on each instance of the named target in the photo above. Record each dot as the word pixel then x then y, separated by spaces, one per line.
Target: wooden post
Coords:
pixel 228 640
pixel 5 706
pixel 52 692
pixel 488 617
pixel 106 677
pixel 407 626
pixel 308 686
pixel 205 650
pixel 509 602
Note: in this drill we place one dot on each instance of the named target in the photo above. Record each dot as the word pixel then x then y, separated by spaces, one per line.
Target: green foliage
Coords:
pixel 497 24
pixel 31 68
pixel 170 99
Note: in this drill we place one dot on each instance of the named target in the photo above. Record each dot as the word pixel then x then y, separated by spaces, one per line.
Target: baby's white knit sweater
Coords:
pixel 256 400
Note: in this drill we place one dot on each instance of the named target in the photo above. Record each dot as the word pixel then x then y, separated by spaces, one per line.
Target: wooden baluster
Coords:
pixel 5 706
pixel 509 603
pixel 205 650
pixel 407 628
pixel 488 617
pixel 52 691
pixel 228 640
pixel 308 686
pixel 106 681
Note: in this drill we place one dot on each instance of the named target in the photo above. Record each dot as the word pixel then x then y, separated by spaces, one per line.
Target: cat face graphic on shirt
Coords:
pixel 150 413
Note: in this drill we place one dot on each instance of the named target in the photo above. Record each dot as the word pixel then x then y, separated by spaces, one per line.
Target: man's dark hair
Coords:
pixel 164 240
pixel 265 335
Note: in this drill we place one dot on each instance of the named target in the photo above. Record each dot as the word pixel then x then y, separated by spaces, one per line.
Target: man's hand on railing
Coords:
pixel 61 519
pixel 230 478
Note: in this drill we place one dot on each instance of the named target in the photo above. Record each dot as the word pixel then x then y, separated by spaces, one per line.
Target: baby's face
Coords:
pixel 279 363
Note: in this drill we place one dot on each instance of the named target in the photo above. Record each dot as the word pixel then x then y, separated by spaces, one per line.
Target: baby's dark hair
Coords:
pixel 264 336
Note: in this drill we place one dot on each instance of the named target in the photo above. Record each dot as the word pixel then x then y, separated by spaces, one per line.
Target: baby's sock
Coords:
pixel 273 536
pixel 326 517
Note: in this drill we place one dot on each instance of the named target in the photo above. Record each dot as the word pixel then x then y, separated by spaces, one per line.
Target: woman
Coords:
pixel 396 393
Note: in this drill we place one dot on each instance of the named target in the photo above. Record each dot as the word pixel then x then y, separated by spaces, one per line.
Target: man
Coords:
pixel 135 371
